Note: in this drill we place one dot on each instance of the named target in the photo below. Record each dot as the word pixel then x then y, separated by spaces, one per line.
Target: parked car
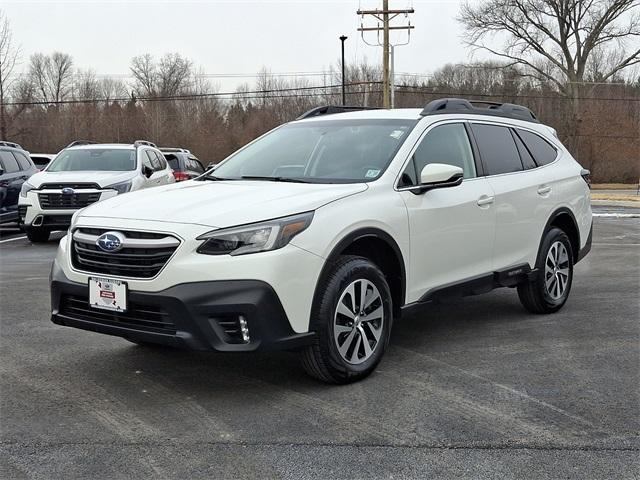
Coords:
pixel 84 173
pixel 15 169
pixel 41 160
pixel 184 164
pixel 319 234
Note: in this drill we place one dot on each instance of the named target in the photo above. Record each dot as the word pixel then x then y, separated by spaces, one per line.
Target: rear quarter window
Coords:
pixel 497 149
pixel 543 152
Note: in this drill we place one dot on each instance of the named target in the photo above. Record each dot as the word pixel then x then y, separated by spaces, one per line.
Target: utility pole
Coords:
pixel 386 16
pixel 344 95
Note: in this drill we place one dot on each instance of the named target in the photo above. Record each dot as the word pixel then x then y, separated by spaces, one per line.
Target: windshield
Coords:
pixel 94 159
pixel 330 151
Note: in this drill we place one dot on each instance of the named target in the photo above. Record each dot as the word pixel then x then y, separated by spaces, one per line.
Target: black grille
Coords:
pixel 56 220
pixel 75 186
pixel 127 262
pixel 149 318
pixel 62 201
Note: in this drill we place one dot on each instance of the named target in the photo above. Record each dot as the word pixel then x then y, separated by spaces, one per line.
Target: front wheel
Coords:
pixel 550 288
pixel 37 234
pixel 352 317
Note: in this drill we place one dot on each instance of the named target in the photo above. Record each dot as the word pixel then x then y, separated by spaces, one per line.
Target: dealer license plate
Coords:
pixel 108 294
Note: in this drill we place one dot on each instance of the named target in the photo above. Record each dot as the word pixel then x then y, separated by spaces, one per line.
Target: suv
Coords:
pixel 327 229
pixel 41 160
pixel 82 174
pixel 15 169
pixel 184 164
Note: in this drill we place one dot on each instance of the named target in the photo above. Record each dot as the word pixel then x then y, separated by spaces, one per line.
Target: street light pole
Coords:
pixel 344 97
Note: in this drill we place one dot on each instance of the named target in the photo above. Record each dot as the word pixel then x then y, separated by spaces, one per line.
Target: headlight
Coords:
pixel 256 237
pixel 26 186
pixel 123 187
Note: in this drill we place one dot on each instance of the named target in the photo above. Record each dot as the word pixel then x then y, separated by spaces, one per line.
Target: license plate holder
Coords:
pixel 108 294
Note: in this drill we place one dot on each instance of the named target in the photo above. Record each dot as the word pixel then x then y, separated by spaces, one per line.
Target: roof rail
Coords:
pixel 10 144
pixel 459 105
pixel 331 109
pixel 81 142
pixel 173 149
pixel 139 143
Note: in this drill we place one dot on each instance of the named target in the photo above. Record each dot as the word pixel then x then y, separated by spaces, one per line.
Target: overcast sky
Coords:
pixel 230 37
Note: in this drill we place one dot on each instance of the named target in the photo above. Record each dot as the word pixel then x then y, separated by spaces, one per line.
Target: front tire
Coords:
pixel 352 318
pixel 37 234
pixel 550 288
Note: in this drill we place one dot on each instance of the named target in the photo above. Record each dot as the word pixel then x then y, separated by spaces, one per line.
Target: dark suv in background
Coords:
pixel 184 164
pixel 15 168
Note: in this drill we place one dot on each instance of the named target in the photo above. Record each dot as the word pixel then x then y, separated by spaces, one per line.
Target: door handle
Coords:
pixel 544 189
pixel 485 200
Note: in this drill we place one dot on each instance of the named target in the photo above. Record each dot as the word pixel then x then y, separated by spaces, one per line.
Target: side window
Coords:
pixel 153 160
pixel 527 160
pixel 444 144
pixel 543 152
pixel 24 163
pixel 9 162
pixel 161 161
pixel 146 160
pixel 197 166
pixel 497 148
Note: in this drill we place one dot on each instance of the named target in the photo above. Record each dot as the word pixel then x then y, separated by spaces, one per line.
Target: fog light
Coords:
pixel 244 329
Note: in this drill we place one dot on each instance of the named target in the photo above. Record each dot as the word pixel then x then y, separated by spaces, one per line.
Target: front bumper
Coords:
pixel 190 315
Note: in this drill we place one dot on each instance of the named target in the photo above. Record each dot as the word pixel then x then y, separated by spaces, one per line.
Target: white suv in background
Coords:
pixel 84 173
pixel 319 234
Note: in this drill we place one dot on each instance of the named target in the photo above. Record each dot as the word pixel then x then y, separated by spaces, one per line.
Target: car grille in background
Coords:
pixel 62 201
pixel 75 186
pixel 143 254
pixel 149 318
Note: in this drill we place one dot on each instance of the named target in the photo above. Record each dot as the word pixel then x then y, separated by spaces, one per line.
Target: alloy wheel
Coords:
pixel 556 271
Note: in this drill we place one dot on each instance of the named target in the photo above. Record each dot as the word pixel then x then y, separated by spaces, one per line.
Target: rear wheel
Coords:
pixel 37 234
pixel 550 288
pixel 352 318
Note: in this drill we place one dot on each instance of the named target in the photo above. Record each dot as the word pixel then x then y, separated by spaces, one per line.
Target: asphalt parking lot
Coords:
pixel 475 388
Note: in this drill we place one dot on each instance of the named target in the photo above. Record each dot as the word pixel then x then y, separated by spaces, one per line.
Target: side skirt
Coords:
pixel 509 277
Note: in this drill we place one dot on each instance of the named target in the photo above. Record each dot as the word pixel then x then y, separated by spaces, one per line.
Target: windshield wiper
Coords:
pixel 273 179
pixel 212 178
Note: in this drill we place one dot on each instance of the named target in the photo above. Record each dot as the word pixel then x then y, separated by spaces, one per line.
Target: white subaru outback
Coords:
pixel 317 235
pixel 83 173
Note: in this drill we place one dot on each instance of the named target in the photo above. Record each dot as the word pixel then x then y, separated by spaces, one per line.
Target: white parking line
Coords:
pixel 12 239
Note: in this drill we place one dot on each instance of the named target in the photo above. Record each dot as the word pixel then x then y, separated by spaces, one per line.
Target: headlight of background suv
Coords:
pixel 26 186
pixel 255 237
pixel 123 187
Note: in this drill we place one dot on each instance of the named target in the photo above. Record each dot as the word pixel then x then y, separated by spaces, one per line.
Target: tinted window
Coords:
pixel 445 144
pixel 153 160
pixel 173 162
pixel 196 165
pixel 22 161
pixel 541 150
pixel 9 162
pixel 94 160
pixel 497 148
pixel 525 156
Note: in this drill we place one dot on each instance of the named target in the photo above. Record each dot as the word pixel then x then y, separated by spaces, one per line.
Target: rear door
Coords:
pixel 523 195
pixel 451 229
pixel 10 184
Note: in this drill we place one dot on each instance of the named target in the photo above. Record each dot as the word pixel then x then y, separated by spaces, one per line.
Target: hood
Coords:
pixel 221 204
pixel 103 179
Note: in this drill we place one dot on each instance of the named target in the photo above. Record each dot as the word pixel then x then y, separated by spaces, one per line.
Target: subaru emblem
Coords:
pixel 68 191
pixel 110 241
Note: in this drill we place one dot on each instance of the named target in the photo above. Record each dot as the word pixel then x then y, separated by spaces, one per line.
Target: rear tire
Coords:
pixel 37 234
pixel 549 289
pixel 352 318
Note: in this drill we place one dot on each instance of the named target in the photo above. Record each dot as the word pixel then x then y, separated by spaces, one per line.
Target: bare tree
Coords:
pixel 144 72
pixel 8 60
pixel 170 76
pixel 52 76
pixel 558 41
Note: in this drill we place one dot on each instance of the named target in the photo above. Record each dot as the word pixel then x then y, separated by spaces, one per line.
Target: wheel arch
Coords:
pixel 379 247
pixel 564 219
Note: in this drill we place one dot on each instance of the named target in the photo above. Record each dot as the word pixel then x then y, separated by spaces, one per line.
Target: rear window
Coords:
pixel 543 152
pixel 9 162
pixel 497 149
pixel 95 160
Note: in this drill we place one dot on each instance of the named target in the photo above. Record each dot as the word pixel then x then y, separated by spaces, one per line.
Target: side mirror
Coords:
pixel 147 171
pixel 440 175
